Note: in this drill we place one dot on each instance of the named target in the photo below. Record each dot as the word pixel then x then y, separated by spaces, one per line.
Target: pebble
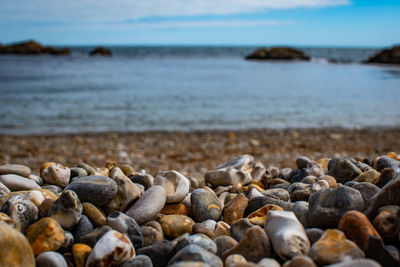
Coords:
pixel 238 229
pixel 234 259
pixel 21 210
pixel 287 234
pixel 17 169
pixel 57 175
pixel 112 249
pixel 80 253
pixel 196 253
pixel 83 228
pixel 95 215
pixel 15 182
pixel 152 233
pixel 66 210
pixel 300 209
pixel 94 236
pixel 144 179
pixel 89 169
pixel 369 176
pixel 10 222
pixel 98 190
pixel 175 209
pixel 138 261
pixel 159 252
pixel 357 263
pixel 175 184
pixel 36 197
pixel 15 249
pixel 368 191
pixel 300 261
pixel 205 205
pixel 196 239
pixel 387 222
pixel 343 169
pixel 45 235
pixel 149 205
pixel 268 262
pixel 235 208
pixel 258 217
pixel 207 228
pixel 314 234
pixel 3 190
pixel 224 243
pixel 333 247
pixel 175 225
pixel 126 225
pixel 77 171
pixel 50 259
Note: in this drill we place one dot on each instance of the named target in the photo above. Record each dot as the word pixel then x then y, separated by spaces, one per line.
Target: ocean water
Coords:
pixel 194 88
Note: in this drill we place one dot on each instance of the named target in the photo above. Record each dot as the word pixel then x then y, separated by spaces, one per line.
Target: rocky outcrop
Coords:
pixel 278 53
pixel 101 51
pixel 386 56
pixel 32 48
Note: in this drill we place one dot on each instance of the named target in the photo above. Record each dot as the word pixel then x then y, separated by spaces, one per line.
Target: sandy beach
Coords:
pixel 193 153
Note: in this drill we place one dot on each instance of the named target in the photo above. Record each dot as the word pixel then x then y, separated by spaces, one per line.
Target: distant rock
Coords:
pixel 387 56
pixel 32 48
pixel 278 53
pixel 101 51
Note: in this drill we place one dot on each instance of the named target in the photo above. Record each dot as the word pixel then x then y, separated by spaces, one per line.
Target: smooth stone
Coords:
pixel 17 169
pixel 314 169
pixel 95 215
pixel 207 228
pixel 197 182
pixel 368 191
pixel 234 259
pixel 175 209
pixel 314 234
pixel 77 171
pixel 152 233
pixel 45 207
pixel 222 228
pixel 393 251
pixel 127 194
pixel 53 188
pixel 268 262
pixel 126 225
pixel 321 184
pixel 36 197
pixel 300 209
pixel 128 169
pixel 159 252
pixel 15 249
pixel 285 173
pixel 387 162
pixel 45 235
pixel 343 169
pixel 144 179
pixel 259 202
pixel 302 162
pixel 224 243
pixel 280 193
pixel 175 225
pixel 149 205
pixel 258 171
pixel 196 253
pixel 138 261
pixel 80 253
pixel 189 264
pixel 297 175
pixel 22 210
pixel 93 237
pixel 258 217
pixel 3 190
pixel 357 228
pixel 287 234
pixel 113 248
pixel 327 206
pixel 356 263
pixel 254 193
pixel 66 210
pixel 387 222
pixel 333 247
pixel 254 246
pixel 98 190
pixel 329 179
pixel 175 184
pixel 46 193
pixel 89 169
pixel 238 229
pixel 378 252
pixel 387 175
pixel 36 178
pixel 16 183
pixel 205 205
pixel 297 186
pixel 57 174
pixel 309 179
pixel 235 208
pixel 369 176
pixel 83 228
pixel 300 261
pixel 50 259
pixel 196 239
pixel 235 171
pixel 10 222
pixel 141 188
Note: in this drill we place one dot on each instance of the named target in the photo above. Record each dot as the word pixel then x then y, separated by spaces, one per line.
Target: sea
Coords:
pixel 168 88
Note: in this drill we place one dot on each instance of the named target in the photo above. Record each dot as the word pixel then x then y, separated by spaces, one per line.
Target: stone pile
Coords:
pixel 336 212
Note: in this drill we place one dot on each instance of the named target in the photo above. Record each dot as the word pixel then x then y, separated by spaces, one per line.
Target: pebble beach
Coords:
pixel 294 197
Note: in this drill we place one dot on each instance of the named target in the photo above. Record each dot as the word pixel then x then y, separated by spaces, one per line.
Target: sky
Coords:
pixel 359 23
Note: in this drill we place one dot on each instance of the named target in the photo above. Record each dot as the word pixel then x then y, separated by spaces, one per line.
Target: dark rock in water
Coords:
pixel 278 53
pixel 101 51
pixel 33 48
pixel 386 56
pixel 159 252
pixel 196 253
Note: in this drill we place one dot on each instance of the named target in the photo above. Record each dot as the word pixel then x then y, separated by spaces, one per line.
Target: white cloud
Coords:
pixel 117 10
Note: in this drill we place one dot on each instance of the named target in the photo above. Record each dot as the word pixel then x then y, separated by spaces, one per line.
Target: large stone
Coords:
pixel 67 210
pixel 15 249
pixel 327 206
pixel 235 171
pixel 111 250
pixel 50 259
pixel 56 174
pixel 98 190
pixel 100 51
pixel 343 169
pixel 33 48
pixel 175 184
pixel 16 183
pixel 205 205
pixel 196 253
pixel 126 225
pixel 149 205
pixel 287 235
pixel 300 261
pixel 17 169
pixel 386 56
pixel 333 247
pixel 174 226
pixel 235 208
pixel 278 53
pixel 22 210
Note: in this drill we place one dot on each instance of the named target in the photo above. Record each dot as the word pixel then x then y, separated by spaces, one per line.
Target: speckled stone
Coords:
pixel 50 259
pixel 235 208
pixel 16 183
pixel 152 233
pixel 175 184
pixel 175 225
pixel 17 169
pixel 15 249
pixel 83 228
pixel 196 253
pixel 22 210
pixel 56 174
pixel 45 235
pixel 98 190
pixel 95 215
pixel 80 253
pixel 66 210
pixel 224 243
pixel 205 205
pixel 111 250
pixel 126 225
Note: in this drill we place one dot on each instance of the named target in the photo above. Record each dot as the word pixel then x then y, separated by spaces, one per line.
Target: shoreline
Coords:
pixel 195 152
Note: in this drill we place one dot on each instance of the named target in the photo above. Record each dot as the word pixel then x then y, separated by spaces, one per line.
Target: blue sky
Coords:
pixel 366 23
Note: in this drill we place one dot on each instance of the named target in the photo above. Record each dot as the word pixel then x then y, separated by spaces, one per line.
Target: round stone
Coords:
pixel 67 209
pixel 258 217
pixel 50 259
pixel 174 209
pixel 175 184
pixel 234 259
pixel 144 179
pixel 77 171
pixel 205 205
pixel 138 261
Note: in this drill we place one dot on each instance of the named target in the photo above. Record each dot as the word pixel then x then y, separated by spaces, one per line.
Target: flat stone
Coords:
pixel 343 169
pixel 56 174
pixel 205 205
pixel 80 253
pixel 95 215
pixel 159 252
pixel 287 234
pixel 387 222
pixel 83 228
pixel 126 225
pixel 15 248
pixel 333 247
pixel 224 243
pixel 67 210
pixel 98 190
pixel 196 253
pixel 152 233
pixel 17 169
pixel 175 184
pixel 45 235
pixel 235 208
pixel 149 205
pixel 50 259
pixel 112 249
pixel 22 210
pixel 16 183
pixel 175 225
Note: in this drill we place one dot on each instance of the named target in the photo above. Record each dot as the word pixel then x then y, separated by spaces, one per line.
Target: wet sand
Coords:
pixel 193 153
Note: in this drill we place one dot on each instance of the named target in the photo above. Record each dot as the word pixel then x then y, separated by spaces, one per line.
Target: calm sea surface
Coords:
pixel 191 88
